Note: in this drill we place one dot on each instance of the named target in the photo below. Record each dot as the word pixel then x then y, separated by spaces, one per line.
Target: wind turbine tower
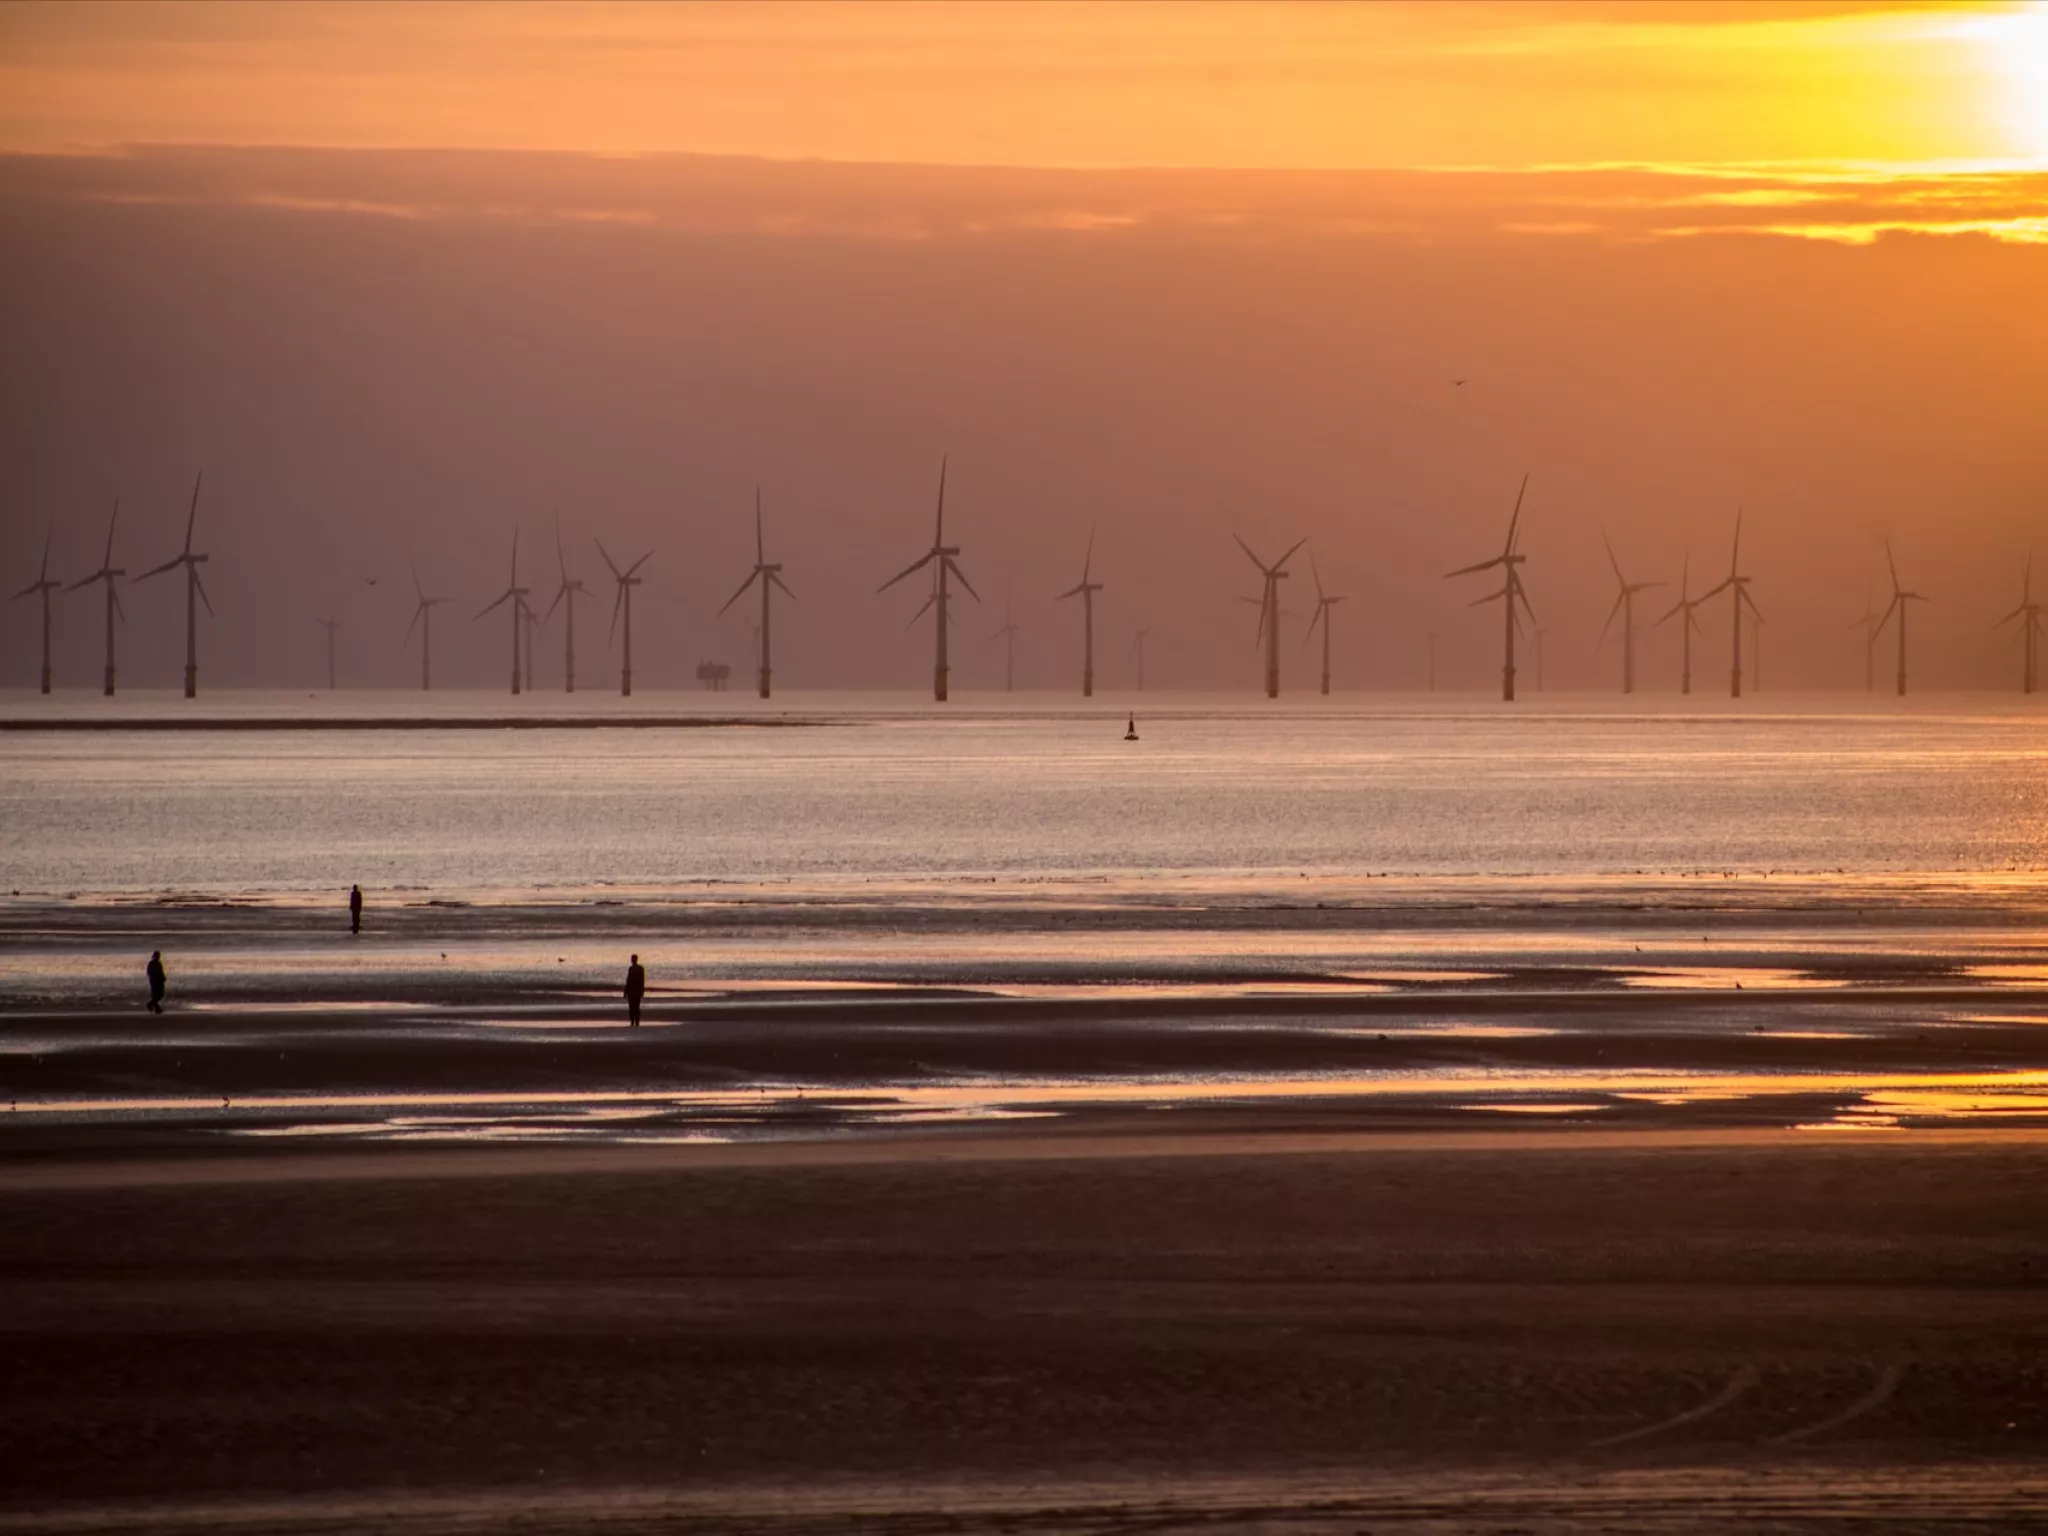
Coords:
pixel 1624 605
pixel 1687 624
pixel 1086 590
pixel 623 600
pixel 514 594
pixel 1008 635
pixel 1269 608
pixel 1510 594
pixel 107 573
pixel 195 593
pixel 1900 598
pixel 2028 613
pixel 1324 603
pixel 770 576
pixel 566 592
pixel 330 625
pixel 1737 585
pixel 423 616
pixel 45 586
pixel 943 558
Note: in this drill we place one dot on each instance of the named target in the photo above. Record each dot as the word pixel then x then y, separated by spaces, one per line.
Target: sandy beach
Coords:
pixel 1121 1328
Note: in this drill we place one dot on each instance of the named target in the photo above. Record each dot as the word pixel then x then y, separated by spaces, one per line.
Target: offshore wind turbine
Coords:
pixel 515 594
pixel 1737 585
pixel 1900 598
pixel 2028 613
pixel 45 586
pixel 1008 635
pixel 566 592
pixel 106 573
pixel 1687 625
pixel 1624 605
pixel 330 625
pixel 1269 608
pixel 1138 650
pixel 1324 603
pixel 623 600
pixel 1510 593
pixel 423 616
pixel 770 576
pixel 942 558
pixel 1086 590
pixel 194 588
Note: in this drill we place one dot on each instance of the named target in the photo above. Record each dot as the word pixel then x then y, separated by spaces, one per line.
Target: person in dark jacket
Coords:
pixel 155 972
pixel 355 909
pixel 636 988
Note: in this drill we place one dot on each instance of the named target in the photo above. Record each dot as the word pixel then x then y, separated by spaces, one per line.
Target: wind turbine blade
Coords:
pixel 776 577
pixel 1611 561
pixel 760 539
pixel 84 581
pixel 1735 555
pixel 1314 571
pixel 560 592
pixel 1491 597
pixel 43 575
pixel 640 562
pixel 1088 559
pixel 909 570
pixel 1523 597
pixel 1681 606
pixel 418 591
pixel 192 516
pixel 1071 591
pixel 607 558
pixel 158 570
pixel 940 535
pixel 515 555
pixel 1467 570
pixel 201 585
pixel 954 566
pixel 115 593
pixel 1319 617
pixel 561 560
pixel 751 577
pixel 1281 563
pixel 1715 591
pixel 1750 603
pixel 618 597
pixel 1515 520
pixel 922 610
pixel 501 598
pixel 1610 620
pixel 1255 560
pixel 1890 608
pixel 109 560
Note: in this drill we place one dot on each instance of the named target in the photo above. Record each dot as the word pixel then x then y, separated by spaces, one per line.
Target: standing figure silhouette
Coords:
pixel 636 988
pixel 155 972
pixel 355 909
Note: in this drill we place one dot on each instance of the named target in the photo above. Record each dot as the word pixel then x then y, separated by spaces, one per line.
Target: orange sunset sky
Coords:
pixel 401 277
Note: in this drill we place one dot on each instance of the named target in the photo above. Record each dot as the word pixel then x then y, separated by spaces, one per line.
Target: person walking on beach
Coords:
pixel 636 988
pixel 155 972
pixel 355 909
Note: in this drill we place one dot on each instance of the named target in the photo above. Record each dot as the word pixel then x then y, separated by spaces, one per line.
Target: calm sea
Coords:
pixel 889 790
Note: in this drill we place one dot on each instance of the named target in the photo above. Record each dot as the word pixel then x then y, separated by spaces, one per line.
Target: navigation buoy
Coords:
pixel 1131 730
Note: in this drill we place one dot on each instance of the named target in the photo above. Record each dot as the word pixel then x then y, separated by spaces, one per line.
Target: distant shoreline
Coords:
pixel 417 723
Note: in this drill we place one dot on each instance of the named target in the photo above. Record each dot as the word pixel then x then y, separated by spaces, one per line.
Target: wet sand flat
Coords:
pixel 1048 1330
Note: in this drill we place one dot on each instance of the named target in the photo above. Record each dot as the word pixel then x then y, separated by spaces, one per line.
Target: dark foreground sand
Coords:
pixel 1106 1327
